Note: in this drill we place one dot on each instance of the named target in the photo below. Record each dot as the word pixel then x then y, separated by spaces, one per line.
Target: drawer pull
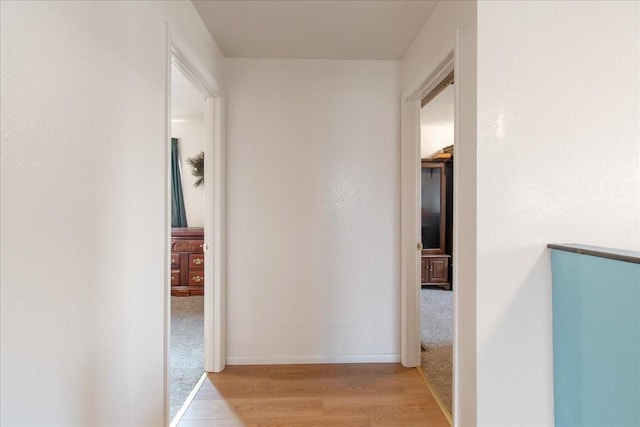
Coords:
pixel 197 279
pixel 173 278
pixel 197 261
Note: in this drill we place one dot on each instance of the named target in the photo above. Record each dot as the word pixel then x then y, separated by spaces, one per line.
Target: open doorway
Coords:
pixel 436 232
pixel 186 351
pixel 209 260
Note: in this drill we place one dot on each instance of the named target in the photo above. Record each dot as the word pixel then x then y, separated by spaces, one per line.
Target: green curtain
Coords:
pixel 178 214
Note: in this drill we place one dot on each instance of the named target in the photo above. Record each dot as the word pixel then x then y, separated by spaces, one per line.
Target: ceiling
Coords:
pixel 187 103
pixel 317 29
pixel 440 110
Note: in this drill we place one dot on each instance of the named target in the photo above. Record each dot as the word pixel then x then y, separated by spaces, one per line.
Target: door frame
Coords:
pixel 410 252
pixel 459 52
pixel 178 59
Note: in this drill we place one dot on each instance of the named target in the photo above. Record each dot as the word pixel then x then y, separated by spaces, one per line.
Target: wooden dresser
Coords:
pixel 435 270
pixel 187 261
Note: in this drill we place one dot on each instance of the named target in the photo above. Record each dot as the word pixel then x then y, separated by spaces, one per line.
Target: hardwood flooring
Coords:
pixel 336 395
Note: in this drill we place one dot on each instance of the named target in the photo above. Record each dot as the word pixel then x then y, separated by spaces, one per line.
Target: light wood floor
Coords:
pixel 315 395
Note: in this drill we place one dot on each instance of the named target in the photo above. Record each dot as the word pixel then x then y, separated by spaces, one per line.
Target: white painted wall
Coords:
pixel 435 41
pixel 434 139
pixel 82 119
pixel 191 135
pixel 313 211
pixel 558 161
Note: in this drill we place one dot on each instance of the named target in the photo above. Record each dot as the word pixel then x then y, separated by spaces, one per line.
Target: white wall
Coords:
pixel 82 215
pixel 558 161
pixel 313 211
pixel 434 42
pixel 434 138
pixel 191 135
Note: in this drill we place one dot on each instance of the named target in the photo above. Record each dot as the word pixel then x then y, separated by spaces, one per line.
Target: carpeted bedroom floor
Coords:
pixel 186 357
pixel 436 332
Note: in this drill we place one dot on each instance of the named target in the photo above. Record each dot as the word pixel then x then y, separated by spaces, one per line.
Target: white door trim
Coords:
pixel 410 217
pixel 459 54
pixel 215 207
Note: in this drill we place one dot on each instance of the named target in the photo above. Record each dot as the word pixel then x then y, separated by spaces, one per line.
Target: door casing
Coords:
pixel 214 208
pixel 410 252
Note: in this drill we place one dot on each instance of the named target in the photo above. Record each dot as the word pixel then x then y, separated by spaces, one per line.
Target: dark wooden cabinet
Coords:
pixel 187 261
pixel 435 270
pixel 436 222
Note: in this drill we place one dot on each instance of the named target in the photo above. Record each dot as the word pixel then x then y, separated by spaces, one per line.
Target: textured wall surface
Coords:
pixel 558 161
pixel 82 214
pixel 313 211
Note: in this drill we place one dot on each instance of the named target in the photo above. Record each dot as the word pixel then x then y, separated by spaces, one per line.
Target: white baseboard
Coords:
pixel 314 359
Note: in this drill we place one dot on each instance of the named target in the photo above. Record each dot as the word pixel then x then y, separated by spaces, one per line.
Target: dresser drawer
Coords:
pixel 175 261
pixel 175 278
pixel 187 245
pixel 196 278
pixel 196 261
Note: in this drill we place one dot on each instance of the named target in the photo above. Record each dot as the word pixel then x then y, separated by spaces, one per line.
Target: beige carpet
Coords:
pixel 186 357
pixel 436 332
